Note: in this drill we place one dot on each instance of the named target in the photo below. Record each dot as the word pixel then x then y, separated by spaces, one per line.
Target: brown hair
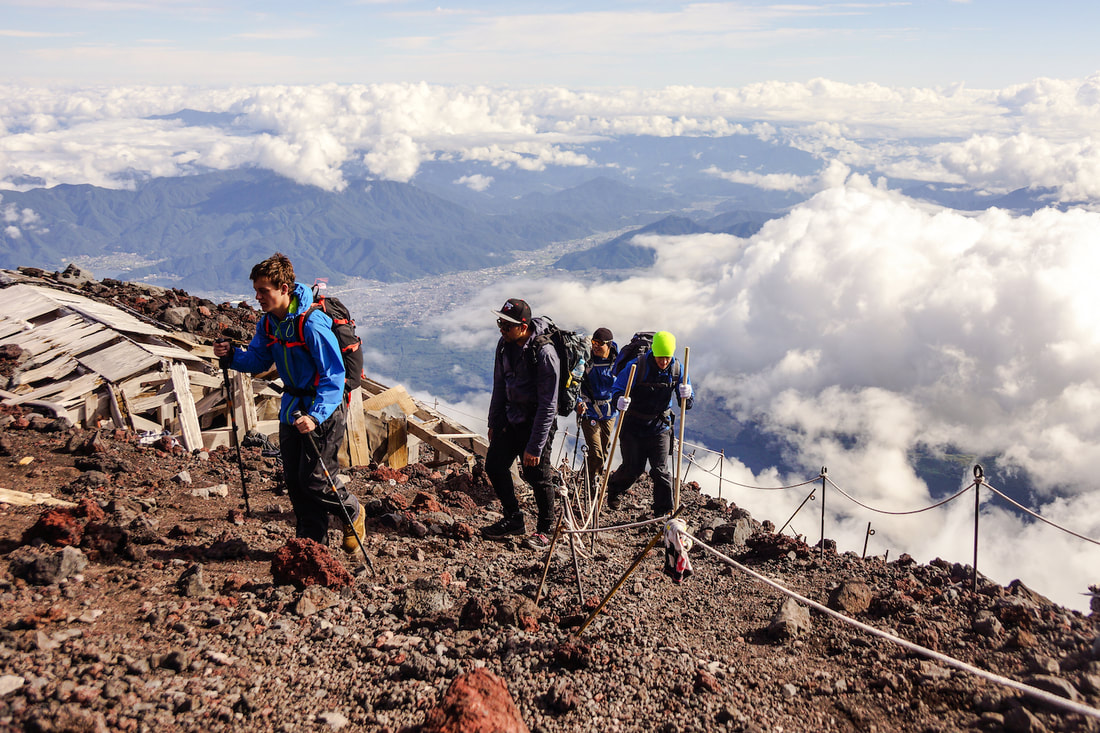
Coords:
pixel 276 268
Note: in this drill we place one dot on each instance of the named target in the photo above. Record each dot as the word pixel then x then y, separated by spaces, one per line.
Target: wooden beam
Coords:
pixel 441 445
pixel 185 401
pixel 392 396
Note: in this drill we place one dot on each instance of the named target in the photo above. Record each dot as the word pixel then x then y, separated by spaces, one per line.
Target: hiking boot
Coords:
pixel 510 525
pixel 537 541
pixel 615 501
pixel 357 527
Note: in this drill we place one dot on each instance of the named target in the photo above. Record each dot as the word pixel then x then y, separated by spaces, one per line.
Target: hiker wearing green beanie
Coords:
pixel 645 434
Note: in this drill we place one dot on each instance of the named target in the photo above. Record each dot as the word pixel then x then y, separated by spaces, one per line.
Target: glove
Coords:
pixel 686 391
pixel 624 403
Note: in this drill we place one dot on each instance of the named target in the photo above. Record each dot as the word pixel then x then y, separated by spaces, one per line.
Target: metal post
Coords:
pixel 809 497
pixel 721 466
pixel 979 475
pixel 865 538
pixel 823 472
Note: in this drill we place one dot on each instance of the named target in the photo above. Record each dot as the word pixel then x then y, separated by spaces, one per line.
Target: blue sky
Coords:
pixel 927 43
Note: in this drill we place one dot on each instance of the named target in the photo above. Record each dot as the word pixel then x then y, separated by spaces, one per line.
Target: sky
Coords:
pixel 923 43
pixel 861 311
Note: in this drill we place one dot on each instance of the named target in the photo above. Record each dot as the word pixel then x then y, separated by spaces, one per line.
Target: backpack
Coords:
pixel 639 344
pixel 343 326
pixel 573 347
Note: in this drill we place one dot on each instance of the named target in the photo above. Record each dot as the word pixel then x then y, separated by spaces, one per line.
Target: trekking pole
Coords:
pixel 224 362
pixel 576 444
pixel 637 561
pixel 336 495
pixel 594 519
pixel 680 442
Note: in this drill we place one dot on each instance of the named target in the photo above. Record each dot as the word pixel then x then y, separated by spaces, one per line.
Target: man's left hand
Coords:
pixel 685 391
pixel 530 460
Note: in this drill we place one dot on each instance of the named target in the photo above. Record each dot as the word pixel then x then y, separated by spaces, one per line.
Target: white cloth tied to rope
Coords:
pixel 677 544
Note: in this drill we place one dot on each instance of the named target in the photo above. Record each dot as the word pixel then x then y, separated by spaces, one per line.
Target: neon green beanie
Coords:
pixel 664 344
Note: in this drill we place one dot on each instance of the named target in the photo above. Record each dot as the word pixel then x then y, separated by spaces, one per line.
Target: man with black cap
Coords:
pixel 522 420
pixel 595 410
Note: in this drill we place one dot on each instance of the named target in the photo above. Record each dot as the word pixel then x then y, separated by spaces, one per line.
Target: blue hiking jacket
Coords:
pixel 596 388
pixel 314 364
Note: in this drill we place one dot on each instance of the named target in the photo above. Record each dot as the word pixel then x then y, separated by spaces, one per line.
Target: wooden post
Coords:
pixel 358 453
pixel 189 417
pixel 397 448
pixel 680 442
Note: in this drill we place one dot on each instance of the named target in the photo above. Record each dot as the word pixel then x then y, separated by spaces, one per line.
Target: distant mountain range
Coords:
pixel 621 253
pixel 205 231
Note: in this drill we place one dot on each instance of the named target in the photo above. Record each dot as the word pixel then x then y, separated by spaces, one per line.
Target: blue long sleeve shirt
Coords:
pixel 312 364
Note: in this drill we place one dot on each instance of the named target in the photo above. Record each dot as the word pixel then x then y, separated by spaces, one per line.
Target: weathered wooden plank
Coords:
pixel 243 401
pixel 358 447
pixel 397 448
pixel 392 396
pixel 202 379
pixel 22 498
pixel 189 417
pixel 52 370
pixel 119 361
pixel 442 445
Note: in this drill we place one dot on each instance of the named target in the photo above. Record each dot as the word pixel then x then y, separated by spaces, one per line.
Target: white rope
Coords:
pixel 898 514
pixel 613 527
pixel 1047 697
pixel 725 480
pixel 1041 518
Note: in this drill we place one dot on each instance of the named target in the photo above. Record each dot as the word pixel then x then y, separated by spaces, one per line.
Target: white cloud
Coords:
pixel 476 182
pixel 1040 133
pixel 863 325
pixel 12 232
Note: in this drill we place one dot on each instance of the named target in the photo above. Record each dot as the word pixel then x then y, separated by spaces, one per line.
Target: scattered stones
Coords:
pixel 303 562
pixel 49 568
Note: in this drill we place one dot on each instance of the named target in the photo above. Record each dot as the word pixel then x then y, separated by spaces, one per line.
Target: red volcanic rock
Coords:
pixel 385 473
pixel 303 562
pixel 58 527
pixel 423 502
pixel 478 702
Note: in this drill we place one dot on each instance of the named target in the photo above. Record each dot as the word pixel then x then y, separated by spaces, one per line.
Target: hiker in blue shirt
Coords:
pixel 645 434
pixel 522 420
pixel 307 356
pixel 595 409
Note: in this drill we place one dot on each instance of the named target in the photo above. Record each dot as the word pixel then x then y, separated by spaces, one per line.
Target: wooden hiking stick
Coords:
pixel 594 519
pixel 680 440
pixel 637 561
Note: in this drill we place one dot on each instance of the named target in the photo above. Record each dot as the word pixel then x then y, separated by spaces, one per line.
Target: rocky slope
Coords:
pixel 156 604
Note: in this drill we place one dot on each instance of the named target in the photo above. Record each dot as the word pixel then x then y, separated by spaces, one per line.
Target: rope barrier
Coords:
pixel 1043 695
pixel 898 514
pixel 631 525
pixel 748 486
pixel 1041 518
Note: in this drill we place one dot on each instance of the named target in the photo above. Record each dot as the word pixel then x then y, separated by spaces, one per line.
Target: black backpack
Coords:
pixel 572 347
pixel 639 344
pixel 343 326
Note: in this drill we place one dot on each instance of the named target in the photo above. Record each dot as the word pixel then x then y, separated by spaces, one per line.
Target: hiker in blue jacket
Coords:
pixel 307 356
pixel 522 420
pixel 595 409
pixel 645 434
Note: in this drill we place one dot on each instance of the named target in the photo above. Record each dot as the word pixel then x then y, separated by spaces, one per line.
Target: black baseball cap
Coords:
pixel 515 311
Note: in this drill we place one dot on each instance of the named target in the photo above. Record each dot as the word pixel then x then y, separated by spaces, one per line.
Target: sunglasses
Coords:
pixel 505 325
pixel 597 342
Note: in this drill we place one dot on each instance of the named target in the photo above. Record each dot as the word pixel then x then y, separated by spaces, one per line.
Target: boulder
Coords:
pixel 302 562
pixel 790 620
pixel 476 702
pixel 851 597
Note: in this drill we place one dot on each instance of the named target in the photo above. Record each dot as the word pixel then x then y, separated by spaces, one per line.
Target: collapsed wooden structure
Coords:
pixel 98 364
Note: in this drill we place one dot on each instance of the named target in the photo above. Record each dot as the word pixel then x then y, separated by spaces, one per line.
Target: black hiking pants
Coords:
pixel 508 444
pixel 310 493
pixel 637 450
